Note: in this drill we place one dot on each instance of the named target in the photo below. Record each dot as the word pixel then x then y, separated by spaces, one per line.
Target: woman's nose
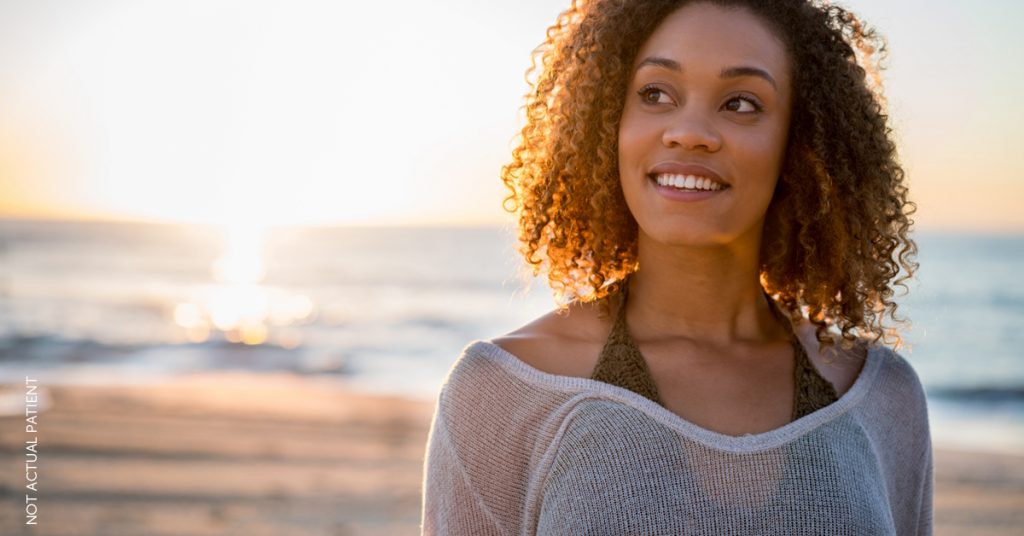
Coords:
pixel 690 130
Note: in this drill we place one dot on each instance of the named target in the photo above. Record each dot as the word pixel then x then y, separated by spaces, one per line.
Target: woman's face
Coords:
pixel 709 99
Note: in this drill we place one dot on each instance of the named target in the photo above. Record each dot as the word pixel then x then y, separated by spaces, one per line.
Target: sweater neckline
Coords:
pixel 589 388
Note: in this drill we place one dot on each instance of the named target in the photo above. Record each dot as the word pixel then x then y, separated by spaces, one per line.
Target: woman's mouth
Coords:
pixel 686 187
pixel 688 182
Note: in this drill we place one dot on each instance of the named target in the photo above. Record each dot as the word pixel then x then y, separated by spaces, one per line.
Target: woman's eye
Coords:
pixel 653 95
pixel 742 105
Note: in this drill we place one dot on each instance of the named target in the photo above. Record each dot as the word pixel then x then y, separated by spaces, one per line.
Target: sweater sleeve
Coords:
pixel 901 433
pixel 924 467
pixel 487 448
pixel 450 504
pixel 925 511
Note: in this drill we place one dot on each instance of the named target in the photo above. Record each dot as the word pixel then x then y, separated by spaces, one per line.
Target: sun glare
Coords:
pixel 237 303
pixel 242 261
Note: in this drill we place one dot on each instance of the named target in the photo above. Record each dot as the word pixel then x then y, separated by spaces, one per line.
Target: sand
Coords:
pixel 281 455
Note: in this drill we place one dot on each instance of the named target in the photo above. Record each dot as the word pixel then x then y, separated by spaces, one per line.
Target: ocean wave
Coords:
pixel 987 394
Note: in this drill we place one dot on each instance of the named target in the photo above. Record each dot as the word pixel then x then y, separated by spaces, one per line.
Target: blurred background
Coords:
pixel 241 243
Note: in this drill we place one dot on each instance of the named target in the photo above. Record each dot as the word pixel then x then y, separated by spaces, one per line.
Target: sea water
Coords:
pixel 390 309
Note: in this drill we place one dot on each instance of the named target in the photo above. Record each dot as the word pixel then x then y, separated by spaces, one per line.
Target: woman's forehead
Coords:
pixel 706 36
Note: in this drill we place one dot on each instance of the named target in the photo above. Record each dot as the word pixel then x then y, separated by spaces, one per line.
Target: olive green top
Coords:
pixel 622 364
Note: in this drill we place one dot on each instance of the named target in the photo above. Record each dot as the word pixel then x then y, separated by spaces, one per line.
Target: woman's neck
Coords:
pixel 707 294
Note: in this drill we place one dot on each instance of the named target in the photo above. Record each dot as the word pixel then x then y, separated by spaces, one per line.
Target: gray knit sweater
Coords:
pixel 513 450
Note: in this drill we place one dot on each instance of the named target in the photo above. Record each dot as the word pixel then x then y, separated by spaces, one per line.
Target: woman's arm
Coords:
pixel 925 512
pixel 450 504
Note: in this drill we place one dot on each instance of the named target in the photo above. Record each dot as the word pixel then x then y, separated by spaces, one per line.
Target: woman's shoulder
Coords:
pixel 840 366
pixel 843 367
pixel 561 342
pixel 549 353
pixel 893 396
pixel 899 377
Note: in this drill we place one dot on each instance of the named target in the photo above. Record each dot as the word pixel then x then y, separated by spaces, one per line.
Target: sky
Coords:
pixel 345 113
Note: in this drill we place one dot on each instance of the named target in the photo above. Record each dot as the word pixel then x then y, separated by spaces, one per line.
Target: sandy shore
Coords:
pixel 283 455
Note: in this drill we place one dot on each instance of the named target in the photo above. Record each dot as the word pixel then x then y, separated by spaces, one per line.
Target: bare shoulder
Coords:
pixel 565 343
pixel 838 365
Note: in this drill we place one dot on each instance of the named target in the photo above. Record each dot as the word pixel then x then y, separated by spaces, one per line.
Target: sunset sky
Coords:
pixel 306 112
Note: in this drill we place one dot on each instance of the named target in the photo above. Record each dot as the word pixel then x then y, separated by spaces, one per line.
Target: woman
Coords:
pixel 712 190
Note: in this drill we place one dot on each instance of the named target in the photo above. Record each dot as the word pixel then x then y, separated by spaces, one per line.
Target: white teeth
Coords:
pixel 688 182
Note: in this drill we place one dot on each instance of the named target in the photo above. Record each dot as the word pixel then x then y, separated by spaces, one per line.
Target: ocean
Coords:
pixel 389 309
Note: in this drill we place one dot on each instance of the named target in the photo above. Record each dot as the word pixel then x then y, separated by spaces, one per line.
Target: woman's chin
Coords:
pixel 688 236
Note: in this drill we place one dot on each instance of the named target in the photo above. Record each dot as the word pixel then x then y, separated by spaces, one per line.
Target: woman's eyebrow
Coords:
pixel 727 72
pixel 744 70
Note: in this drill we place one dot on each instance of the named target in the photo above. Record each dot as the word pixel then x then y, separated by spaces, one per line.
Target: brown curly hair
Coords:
pixel 837 229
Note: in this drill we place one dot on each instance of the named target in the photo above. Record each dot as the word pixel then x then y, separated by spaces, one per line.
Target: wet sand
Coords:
pixel 282 455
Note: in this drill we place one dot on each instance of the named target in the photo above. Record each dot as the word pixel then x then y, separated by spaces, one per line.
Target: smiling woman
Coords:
pixel 718 100
pixel 713 187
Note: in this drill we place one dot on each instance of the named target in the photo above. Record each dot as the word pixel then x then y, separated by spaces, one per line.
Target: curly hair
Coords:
pixel 836 232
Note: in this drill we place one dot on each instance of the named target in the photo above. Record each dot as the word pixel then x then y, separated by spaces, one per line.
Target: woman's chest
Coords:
pixel 613 483
pixel 728 395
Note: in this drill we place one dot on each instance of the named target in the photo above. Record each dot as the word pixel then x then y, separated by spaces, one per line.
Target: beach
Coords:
pixel 281 454
pixel 219 454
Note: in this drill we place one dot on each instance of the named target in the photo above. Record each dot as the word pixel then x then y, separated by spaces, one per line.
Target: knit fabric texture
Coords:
pixel 622 364
pixel 513 450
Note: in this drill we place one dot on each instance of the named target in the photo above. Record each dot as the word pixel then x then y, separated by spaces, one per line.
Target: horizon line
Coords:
pixel 426 224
